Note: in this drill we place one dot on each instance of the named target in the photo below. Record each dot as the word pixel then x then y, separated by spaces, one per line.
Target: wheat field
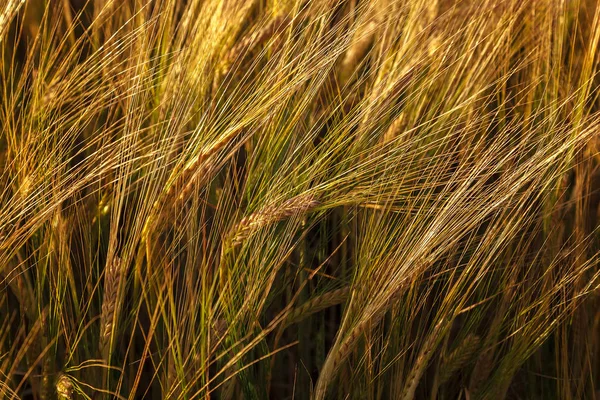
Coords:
pixel 299 199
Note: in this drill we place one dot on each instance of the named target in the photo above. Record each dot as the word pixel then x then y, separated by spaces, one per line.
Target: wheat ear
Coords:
pixel 317 304
pixel 422 361
pixel 249 43
pixel 7 13
pixel 186 179
pixel 459 357
pixel 395 128
pixel 338 353
pixel 270 214
pixel 112 279
pixel 361 42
